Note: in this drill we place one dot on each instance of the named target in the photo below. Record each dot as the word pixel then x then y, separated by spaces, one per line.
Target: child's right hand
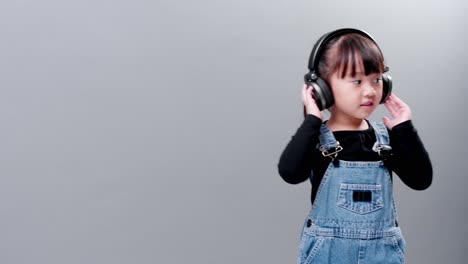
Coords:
pixel 309 102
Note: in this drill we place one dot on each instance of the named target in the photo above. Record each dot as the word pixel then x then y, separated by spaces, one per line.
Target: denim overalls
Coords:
pixel 353 217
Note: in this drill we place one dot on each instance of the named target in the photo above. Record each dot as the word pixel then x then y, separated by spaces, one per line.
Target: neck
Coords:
pixel 335 123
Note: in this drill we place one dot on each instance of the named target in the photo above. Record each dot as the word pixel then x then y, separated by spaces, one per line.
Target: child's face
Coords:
pixel 356 96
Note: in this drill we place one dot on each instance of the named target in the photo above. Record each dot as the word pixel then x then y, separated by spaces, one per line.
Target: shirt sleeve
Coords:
pixel 294 164
pixel 410 160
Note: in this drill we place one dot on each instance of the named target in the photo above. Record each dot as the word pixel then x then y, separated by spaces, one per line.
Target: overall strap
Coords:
pixel 382 144
pixel 328 145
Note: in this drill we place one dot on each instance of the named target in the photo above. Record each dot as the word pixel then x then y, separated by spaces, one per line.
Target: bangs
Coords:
pixel 354 51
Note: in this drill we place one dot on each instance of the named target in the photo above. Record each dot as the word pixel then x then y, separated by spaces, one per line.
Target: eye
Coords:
pixel 378 80
pixel 356 82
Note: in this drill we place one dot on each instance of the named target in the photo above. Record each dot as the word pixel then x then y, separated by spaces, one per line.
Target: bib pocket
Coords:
pixel 360 198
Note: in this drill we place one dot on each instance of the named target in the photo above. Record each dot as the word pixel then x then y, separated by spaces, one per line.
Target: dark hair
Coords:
pixel 338 53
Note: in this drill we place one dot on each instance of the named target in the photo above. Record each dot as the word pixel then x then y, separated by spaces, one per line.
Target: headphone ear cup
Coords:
pixel 323 92
pixel 387 87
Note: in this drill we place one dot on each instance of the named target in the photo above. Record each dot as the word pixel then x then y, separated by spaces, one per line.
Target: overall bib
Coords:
pixel 353 217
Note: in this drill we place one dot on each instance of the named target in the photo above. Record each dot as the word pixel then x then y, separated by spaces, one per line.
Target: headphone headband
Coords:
pixel 321 43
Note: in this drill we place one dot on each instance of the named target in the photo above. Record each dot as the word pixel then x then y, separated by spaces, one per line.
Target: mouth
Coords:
pixel 368 104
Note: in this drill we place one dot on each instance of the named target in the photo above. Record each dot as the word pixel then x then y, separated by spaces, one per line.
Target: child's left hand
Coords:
pixel 399 110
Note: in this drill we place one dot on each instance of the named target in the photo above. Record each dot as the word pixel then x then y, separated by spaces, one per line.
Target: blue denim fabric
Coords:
pixel 353 217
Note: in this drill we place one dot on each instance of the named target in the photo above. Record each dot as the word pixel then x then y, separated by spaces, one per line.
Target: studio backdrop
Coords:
pixel 150 131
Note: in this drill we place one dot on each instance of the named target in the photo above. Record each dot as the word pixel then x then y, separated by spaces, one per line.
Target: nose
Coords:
pixel 369 91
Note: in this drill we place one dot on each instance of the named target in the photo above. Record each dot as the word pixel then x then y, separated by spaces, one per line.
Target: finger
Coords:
pixel 310 91
pixel 387 122
pixel 392 102
pixel 391 107
pixel 399 102
pixel 303 93
pixel 393 112
pixel 309 94
pixel 307 98
pixel 391 99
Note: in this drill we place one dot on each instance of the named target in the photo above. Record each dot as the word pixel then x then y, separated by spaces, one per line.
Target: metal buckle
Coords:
pixel 331 152
pixel 384 151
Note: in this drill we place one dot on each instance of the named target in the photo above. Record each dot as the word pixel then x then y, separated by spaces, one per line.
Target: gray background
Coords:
pixel 149 131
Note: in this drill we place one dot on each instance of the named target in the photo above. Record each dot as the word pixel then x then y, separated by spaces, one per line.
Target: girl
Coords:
pixel 349 160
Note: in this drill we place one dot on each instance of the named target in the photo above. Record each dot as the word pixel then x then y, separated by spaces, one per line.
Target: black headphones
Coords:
pixel 322 92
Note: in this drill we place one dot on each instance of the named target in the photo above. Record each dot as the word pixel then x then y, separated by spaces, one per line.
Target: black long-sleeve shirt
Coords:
pixel 410 160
